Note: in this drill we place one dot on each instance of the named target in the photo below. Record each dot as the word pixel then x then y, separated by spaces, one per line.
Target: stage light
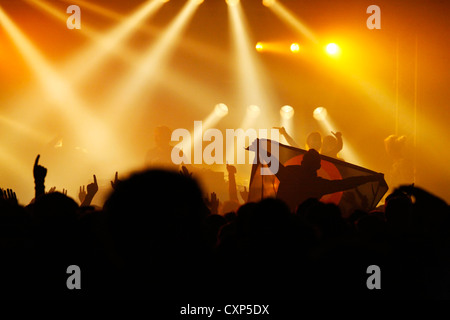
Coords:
pixel 320 113
pixel 253 111
pixel 287 112
pixel 268 3
pixel 295 47
pixel 221 109
pixel 93 56
pixel 232 2
pixel 332 49
pixel 250 74
pixel 145 74
pixel 288 17
pixel 259 47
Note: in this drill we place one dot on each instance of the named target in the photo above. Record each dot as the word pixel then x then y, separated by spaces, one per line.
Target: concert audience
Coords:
pixel 157 238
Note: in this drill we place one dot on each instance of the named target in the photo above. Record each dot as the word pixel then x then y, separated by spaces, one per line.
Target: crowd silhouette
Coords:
pixel 157 237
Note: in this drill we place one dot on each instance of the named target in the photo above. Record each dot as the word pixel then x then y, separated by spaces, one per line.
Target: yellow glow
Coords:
pixel 221 109
pixel 249 73
pixel 320 113
pixel 268 3
pixel 176 82
pixel 253 111
pixel 287 112
pixel 57 90
pixel 259 46
pixel 23 129
pixel 57 13
pixel 201 49
pixel 347 153
pixel 153 59
pixel 232 2
pixel 295 47
pixel 332 48
pixel 93 56
pixel 288 17
pixel 327 126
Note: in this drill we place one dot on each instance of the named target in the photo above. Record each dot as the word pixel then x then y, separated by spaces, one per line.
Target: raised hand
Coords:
pixel 185 172
pixel 9 195
pixel 337 134
pixel 39 173
pixel 214 203
pixel 281 129
pixel 82 194
pixel 51 190
pixel 91 190
pixel 254 145
pixel 116 181
pixel 231 169
pixel 244 194
pixel 64 192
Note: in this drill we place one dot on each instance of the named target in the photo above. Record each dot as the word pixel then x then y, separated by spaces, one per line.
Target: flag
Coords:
pixel 365 197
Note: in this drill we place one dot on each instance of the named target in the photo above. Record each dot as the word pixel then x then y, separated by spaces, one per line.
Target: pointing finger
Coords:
pixel 37 160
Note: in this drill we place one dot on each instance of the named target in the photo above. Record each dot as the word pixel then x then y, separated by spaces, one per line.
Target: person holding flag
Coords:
pixel 298 183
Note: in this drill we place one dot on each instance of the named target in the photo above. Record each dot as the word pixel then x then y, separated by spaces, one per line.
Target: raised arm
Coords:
pixel 91 189
pixel 39 173
pixel 259 148
pixel 288 138
pixel 232 192
pixel 332 186
pixel 339 144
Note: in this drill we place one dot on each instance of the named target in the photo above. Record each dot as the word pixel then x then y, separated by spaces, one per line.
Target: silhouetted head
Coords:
pixel 314 141
pixel 155 210
pixel 395 146
pixel 399 211
pixel 311 160
pixel 162 136
pixel 55 209
pixel 329 144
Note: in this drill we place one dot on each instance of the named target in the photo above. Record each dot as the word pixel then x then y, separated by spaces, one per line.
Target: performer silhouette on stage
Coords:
pixel 300 182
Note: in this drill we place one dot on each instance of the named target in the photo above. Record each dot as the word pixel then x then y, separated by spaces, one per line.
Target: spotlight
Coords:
pixel 295 47
pixel 253 111
pixel 287 112
pixel 232 2
pixel 221 110
pixel 259 47
pixel 268 3
pixel 332 48
pixel 320 113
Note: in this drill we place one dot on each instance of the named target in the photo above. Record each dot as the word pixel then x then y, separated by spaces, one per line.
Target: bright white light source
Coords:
pixel 268 3
pixel 332 48
pixel 295 47
pixel 232 2
pixel 221 110
pixel 259 46
pixel 287 112
pixel 320 113
pixel 253 111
